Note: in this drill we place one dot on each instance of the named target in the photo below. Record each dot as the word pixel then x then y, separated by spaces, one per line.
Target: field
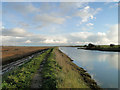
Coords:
pixel 12 53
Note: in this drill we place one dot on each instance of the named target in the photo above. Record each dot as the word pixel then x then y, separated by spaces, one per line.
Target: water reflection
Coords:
pixel 103 66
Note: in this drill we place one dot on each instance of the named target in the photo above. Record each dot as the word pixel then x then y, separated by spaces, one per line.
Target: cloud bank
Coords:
pixel 53 24
pixel 19 36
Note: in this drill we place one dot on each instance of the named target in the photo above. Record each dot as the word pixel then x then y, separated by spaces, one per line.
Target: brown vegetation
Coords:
pixel 71 75
pixel 12 53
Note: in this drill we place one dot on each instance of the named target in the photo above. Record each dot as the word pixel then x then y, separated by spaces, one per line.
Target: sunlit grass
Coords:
pixel 22 76
pixel 49 73
pixel 57 72
pixel 68 77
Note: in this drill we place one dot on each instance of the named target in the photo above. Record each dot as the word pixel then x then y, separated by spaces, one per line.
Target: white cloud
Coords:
pixel 91 17
pixel 15 32
pixel 82 35
pixel 28 41
pixel 90 24
pixel 101 34
pixel 47 14
pixel 57 39
pixel 111 36
pixel 20 36
pixel 43 16
pixel 87 7
pixel 87 13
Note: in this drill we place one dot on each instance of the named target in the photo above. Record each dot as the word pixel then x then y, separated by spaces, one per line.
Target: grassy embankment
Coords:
pixel 105 48
pixel 72 76
pixel 50 72
pixel 108 46
pixel 22 76
pixel 68 77
pixel 58 72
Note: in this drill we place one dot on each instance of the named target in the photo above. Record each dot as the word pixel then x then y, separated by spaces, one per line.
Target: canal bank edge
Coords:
pixel 86 76
pixel 52 65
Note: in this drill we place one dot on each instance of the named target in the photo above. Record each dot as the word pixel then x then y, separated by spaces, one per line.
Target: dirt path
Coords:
pixel 37 79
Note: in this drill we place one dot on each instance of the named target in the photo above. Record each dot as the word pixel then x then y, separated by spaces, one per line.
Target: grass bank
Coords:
pixel 50 71
pixel 115 48
pixel 22 76
pixel 72 76
pixel 58 71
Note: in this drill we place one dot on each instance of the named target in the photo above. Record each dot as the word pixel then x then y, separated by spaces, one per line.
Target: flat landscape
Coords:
pixel 115 48
pixel 51 69
pixel 59 44
pixel 12 53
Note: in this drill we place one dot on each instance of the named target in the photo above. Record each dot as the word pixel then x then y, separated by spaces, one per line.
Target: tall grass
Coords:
pixel 22 76
pixel 57 72
pixel 68 77
pixel 13 53
pixel 49 73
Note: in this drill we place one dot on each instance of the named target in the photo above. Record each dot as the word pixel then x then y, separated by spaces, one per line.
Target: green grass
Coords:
pixel 115 48
pixel 22 76
pixel 68 76
pixel 108 46
pixel 49 73
pixel 57 72
pixel 60 75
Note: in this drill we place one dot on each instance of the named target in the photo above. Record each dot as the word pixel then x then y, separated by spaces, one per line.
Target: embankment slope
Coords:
pixel 72 76
pixel 58 71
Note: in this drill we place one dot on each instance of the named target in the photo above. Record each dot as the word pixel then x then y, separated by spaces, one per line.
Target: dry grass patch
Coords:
pixel 68 77
pixel 12 53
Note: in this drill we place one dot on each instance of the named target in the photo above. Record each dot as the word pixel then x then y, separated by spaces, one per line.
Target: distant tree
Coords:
pixel 85 45
pixel 112 45
pixel 98 46
pixel 91 45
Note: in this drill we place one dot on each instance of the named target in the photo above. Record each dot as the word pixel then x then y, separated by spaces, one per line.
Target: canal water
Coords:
pixel 102 65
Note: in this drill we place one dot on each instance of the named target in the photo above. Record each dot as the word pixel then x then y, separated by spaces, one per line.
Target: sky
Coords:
pixel 59 23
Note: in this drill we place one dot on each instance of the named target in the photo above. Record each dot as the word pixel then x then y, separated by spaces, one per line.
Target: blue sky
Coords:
pixel 59 23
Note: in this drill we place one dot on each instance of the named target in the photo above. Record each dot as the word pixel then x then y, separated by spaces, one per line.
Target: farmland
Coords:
pixel 13 53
